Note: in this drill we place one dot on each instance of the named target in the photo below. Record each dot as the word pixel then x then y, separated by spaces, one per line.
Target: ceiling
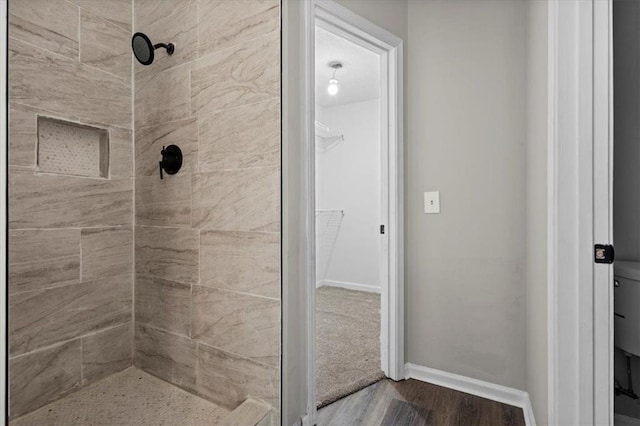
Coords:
pixel 359 78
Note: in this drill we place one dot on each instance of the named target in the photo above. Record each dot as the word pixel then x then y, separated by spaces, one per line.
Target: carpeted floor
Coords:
pixel 347 342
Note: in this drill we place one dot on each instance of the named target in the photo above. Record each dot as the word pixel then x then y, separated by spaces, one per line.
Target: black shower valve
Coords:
pixel 171 160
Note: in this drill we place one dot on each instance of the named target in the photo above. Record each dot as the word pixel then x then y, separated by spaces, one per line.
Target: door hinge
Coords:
pixel 604 253
pixel 382 229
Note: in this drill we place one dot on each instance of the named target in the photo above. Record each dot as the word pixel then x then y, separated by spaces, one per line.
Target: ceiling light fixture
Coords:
pixel 332 89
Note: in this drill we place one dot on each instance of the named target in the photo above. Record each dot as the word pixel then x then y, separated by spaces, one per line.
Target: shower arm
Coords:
pixel 168 46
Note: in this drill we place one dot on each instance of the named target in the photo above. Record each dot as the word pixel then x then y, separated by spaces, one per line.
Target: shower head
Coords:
pixel 143 48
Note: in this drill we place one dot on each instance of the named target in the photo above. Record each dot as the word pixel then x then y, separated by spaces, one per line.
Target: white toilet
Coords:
pixel 627 306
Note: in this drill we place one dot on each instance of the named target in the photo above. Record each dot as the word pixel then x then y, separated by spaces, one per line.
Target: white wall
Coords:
pixel 466 134
pixel 467 121
pixel 537 98
pixel 348 178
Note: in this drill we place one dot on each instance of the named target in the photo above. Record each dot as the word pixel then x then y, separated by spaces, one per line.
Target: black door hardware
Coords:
pixel 604 253
pixel 171 160
pixel 382 229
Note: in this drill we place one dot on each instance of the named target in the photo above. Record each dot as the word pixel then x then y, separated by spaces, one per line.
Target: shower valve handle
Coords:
pixel 171 160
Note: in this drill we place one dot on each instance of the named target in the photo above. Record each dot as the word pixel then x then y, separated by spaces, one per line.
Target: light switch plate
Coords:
pixel 432 202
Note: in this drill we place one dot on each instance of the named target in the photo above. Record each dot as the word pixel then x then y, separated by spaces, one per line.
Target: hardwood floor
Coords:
pixel 415 403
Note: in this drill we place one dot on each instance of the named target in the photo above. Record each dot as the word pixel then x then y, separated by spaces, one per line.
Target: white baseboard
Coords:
pixel 503 394
pixel 349 286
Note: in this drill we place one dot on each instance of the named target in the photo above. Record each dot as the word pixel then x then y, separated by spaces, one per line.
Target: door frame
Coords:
pixel 344 22
pixel 580 294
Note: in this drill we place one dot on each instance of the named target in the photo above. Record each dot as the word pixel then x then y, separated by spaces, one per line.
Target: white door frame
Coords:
pixel 580 318
pixel 4 131
pixel 344 22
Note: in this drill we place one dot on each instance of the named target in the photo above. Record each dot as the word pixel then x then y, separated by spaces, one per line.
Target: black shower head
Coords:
pixel 143 48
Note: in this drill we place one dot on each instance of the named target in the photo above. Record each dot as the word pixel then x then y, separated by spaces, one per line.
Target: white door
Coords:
pixel 580 212
pixel 603 209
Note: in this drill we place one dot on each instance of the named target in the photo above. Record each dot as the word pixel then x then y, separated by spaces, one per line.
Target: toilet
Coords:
pixel 627 306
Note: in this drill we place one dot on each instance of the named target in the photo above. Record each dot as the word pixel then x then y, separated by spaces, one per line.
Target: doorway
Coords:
pixel 341 22
pixel 349 231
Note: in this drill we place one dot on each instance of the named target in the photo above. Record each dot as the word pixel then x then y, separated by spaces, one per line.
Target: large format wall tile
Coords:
pixel 247 136
pixel 207 240
pixel 105 45
pixel 168 253
pixel 106 252
pixel 67 87
pixel 106 352
pixel 233 22
pixel 43 258
pixel 149 11
pixel 164 214
pixel 48 24
pixel 22 135
pixel 245 200
pixel 117 12
pixel 248 73
pixel 168 356
pixel 71 239
pixel 243 324
pixel 228 380
pixel 41 318
pixel 121 152
pixel 179 27
pixel 163 202
pixel 44 376
pixel 50 201
pixel 163 96
pixel 163 304
pixel 151 140
pixel 171 189
pixel 247 262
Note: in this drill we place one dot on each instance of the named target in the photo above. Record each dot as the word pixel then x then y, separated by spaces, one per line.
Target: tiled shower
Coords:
pixel 109 265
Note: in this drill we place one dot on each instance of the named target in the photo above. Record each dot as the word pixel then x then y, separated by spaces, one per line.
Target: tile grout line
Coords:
pixel 56 287
pixel 80 273
pixel 81 362
pixel 134 182
pixel 79 33
pixel 200 343
pixel 64 342
pixel 192 116
pixel 195 169
pixel 43 112
pixel 66 228
pixel 58 55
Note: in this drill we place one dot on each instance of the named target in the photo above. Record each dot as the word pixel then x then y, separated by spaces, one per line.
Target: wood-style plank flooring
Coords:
pixel 415 403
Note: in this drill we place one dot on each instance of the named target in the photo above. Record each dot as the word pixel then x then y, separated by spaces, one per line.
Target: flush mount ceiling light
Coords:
pixel 332 89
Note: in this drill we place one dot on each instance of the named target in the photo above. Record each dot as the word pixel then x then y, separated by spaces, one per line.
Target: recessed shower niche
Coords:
pixel 68 148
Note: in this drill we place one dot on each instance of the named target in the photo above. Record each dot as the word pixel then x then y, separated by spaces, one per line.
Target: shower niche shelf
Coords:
pixel 67 148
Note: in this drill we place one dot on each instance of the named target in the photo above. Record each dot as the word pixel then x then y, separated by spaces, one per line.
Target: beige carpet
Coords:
pixel 347 342
pixel 128 398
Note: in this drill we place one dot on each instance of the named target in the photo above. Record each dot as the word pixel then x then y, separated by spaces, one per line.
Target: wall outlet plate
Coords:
pixel 432 202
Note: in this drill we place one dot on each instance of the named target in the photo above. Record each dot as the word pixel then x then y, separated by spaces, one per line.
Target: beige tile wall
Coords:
pixel 207 240
pixel 70 238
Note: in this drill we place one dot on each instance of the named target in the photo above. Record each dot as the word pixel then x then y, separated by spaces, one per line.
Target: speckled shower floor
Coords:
pixel 131 397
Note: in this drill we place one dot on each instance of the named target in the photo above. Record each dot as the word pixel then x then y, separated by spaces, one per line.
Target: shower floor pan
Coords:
pixel 130 397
